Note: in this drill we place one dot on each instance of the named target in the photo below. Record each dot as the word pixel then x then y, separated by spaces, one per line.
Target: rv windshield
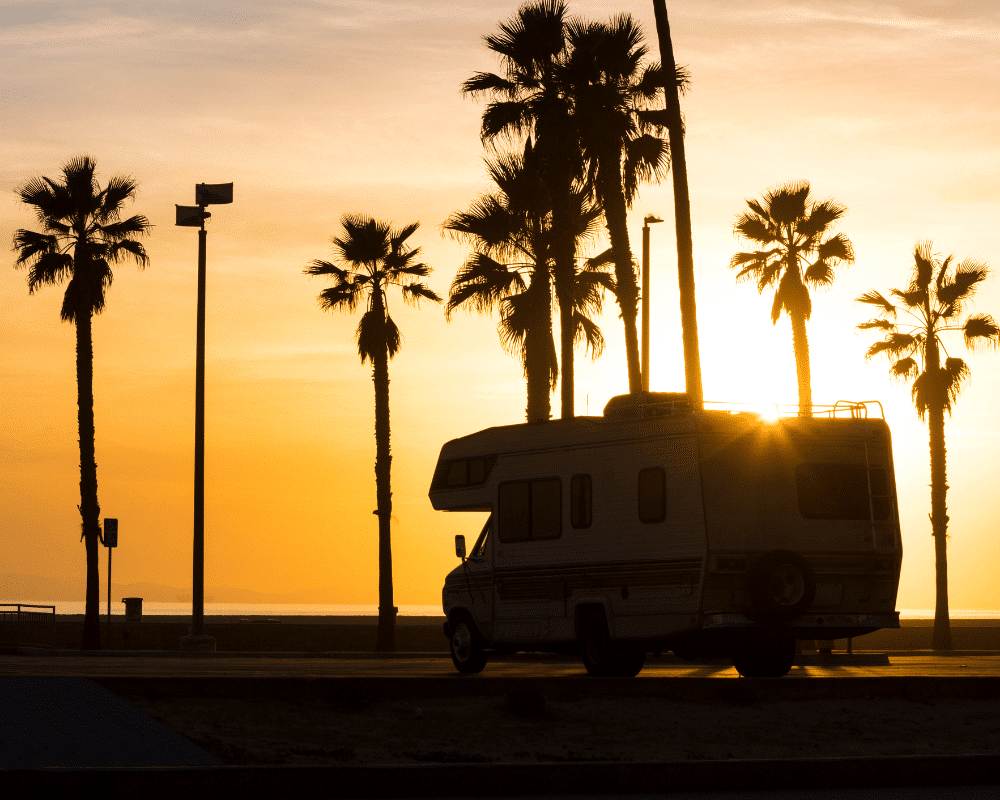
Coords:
pixel 480 545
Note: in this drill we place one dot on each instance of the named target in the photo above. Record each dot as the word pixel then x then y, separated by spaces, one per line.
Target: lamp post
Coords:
pixel 650 219
pixel 194 217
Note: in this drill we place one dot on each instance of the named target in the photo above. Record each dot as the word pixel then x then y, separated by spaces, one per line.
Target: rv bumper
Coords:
pixel 810 626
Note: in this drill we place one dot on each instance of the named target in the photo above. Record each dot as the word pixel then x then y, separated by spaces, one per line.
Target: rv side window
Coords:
pixel 579 501
pixel 840 491
pixel 652 495
pixel 530 510
pixel 546 509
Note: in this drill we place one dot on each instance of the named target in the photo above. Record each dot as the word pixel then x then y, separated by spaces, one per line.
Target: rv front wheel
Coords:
pixel 467 652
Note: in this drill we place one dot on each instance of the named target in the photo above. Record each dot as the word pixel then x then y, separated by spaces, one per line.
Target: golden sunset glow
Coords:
pixel 317 109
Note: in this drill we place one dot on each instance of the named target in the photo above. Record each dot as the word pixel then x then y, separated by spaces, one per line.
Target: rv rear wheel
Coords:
pixel 467 652
pixel 782 587
pixel 628 665
pixel 766 658
pixel 595 645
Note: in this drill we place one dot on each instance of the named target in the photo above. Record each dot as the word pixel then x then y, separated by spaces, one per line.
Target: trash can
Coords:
pixel 133 609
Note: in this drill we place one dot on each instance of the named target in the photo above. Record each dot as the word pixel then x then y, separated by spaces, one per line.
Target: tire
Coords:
pixel 766 658
pixel 595 645
pixel 467 653
pixel 782 587
pixel 628 665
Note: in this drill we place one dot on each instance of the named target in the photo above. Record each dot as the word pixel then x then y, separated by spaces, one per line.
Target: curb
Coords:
pixel 514 780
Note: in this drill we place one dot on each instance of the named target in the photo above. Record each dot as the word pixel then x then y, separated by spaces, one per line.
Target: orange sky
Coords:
pixel 316 109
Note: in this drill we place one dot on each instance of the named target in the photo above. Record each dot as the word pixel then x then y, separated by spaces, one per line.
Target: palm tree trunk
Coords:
pixel 386 639
pixel 564 275
pixel 538 347
pixel 90 510
pixel 941 638
pixel 627 289
pixel 800 344
pixel 682 213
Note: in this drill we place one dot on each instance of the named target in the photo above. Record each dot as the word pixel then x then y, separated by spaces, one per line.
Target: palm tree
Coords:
pixel 608 87
pixel 930 306
pixel 514 225
pixel 682 211
pixel 82 235
pixel 374 257
pixel 529 100
pixel 791 227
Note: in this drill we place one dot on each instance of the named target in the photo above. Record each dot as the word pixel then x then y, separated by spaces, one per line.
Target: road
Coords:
pixel 434 666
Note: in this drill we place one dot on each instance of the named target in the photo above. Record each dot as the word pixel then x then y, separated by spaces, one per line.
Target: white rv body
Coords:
pixel 668 522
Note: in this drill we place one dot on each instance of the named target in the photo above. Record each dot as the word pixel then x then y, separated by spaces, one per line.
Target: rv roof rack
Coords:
pixel 856 409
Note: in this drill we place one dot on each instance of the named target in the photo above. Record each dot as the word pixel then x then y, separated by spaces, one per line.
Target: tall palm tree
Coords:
pixel 791 227
pixel 932 305
pixel 371 257
pixel 529 100
pixel 682 210
pixel 609 86
pixel 514 226
pixel 82 235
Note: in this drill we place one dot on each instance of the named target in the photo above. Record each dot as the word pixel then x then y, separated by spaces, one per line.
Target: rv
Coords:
pixel 656 527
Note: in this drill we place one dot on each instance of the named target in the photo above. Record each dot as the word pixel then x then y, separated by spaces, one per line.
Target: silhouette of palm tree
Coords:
pixel 515 226
pixel 82 236
pixel 791 227
pixel 530 100
pixel 608 87
pixel 932 305
pixel 373 258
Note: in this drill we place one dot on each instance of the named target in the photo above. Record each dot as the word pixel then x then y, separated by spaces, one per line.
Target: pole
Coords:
pixel 645 307
pixel 109 596
pixel 682 212
pixel 198 584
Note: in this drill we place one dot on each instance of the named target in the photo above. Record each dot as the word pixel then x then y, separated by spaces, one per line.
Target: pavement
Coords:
pixel 64 727
pixel 72 722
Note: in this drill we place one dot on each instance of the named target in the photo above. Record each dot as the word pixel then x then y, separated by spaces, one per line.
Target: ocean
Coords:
pixel 334 610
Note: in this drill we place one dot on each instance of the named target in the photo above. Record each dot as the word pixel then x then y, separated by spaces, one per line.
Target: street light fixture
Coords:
pixel 194 217
pixel 650 219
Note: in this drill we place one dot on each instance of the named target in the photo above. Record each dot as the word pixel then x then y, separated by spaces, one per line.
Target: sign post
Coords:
pixel 110 541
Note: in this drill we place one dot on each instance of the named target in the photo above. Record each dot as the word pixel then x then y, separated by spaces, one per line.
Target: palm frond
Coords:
pixel 344 296
pixel 835 249
pixel 894 345
pixel 413 293
pixel 912 298
pixel 117 252
pixel 488 83
pixel 506 119
pixel 787 204
pixel 755 228
pixel 980 330
pixel 647 159
pixel 904 369
pixel 923 266
pixel 968 276
pixel 956 373
pixel 819 274
pixel 587 331
pixel 50 268
pixel 881 324
pixel 819 217
pixel 876 299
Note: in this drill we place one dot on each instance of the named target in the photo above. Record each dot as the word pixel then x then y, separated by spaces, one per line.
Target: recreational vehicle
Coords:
pixel 657 527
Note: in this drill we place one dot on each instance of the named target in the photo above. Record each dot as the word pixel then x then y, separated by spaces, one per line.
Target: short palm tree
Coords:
pixel 514 226
pixel 529 100
pixel 371 257
pixel 82 235
pixel 789 228
pixel 609 87
pixel 931 306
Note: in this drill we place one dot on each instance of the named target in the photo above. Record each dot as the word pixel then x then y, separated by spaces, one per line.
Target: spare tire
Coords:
pixel 781 587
